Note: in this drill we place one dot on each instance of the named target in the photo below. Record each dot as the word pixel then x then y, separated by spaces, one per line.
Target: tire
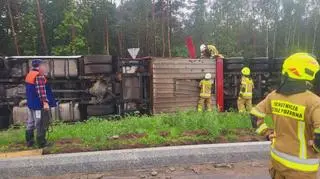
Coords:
pixel 100 110
pixel 4 122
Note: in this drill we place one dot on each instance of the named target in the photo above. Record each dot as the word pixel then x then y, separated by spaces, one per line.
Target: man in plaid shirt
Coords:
pixel 40 84
pixel 39 99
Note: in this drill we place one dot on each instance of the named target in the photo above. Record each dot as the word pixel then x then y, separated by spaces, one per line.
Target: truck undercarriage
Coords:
pixel 104 85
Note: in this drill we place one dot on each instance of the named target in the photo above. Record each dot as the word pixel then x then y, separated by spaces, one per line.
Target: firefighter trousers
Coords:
pixel 204 101
pixel 244 104
pixel 286 173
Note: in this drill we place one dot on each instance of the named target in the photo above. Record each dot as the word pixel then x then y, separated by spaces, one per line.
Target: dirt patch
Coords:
pixel 17 147
pixel 164 133
pixel 133 146
pixel 67 149
pixel 75 150
pixel 132 136
pixel 68 141
pixel 221 139
pixel 238 135
pixel 248 138
pixel 195 133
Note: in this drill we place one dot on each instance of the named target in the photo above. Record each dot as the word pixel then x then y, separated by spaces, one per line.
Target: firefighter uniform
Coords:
pixel 245 95
pixel 209 51
pixel 213 50
pixel 205 93
pixel 296 115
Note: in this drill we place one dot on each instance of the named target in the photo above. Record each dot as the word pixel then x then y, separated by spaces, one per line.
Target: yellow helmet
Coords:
pixel 300 66
pixel 246 71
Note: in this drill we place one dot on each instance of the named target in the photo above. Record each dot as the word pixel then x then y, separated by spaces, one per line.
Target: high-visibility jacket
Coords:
pixel 205 88
pixel 246 87
pixel 295 118
pixel 213 50
pixel 33 99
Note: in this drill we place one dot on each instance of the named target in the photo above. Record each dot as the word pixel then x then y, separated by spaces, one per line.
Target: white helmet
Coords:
pixel 207 76
pixel 203 47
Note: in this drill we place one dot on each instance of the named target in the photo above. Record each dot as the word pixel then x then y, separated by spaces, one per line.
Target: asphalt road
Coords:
pixel 243 170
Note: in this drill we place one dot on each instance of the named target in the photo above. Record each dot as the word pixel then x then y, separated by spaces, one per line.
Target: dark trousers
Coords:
pixel 37 119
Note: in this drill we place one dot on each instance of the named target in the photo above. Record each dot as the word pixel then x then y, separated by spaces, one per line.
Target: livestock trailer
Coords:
pixel 104 85
pixel 83 85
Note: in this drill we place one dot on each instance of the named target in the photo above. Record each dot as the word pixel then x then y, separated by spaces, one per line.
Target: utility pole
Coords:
pixel 13 29
pixel 43 37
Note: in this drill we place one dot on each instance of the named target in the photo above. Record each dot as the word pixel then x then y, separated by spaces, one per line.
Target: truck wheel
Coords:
pixel 4 122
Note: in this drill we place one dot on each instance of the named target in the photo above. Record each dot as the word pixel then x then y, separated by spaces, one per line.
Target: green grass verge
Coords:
pixel 162 129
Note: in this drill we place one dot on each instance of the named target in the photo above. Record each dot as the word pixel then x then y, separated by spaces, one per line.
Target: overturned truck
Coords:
pixel 83 85
pixel 105 85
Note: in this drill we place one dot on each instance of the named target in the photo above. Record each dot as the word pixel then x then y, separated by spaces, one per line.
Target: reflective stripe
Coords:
pixel 305 165
pixel 274 139
pixel 245 83
pixel 302 140
pixel 205 88
pixel 316 148
pixel 261 128
pixel 248 82
pixel 247 94
pixel 317 131
pixel 255 112
pixel 205 95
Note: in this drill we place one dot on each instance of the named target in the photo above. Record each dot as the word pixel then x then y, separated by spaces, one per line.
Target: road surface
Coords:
pixel 244 170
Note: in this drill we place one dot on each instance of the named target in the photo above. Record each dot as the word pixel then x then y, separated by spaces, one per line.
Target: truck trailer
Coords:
pixel 102 85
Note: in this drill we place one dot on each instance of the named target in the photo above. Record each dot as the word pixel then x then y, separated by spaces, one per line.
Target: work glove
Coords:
pixel 314 147
pixel 270 136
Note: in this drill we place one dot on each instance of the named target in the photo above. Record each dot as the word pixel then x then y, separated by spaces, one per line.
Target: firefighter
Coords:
pixel 296 115
pixel 316 84
pixel 245 94
pixel 39 100
pixel 205 86
pixel 209 51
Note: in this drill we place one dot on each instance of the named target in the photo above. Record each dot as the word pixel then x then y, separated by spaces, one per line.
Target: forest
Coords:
pixel 249 28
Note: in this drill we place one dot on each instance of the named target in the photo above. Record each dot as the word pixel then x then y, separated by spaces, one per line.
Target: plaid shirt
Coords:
pixel 41 88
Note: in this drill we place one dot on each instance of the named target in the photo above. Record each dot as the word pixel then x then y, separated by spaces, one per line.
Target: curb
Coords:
pixel 90 162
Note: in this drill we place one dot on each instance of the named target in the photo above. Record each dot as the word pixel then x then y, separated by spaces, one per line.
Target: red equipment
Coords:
pixel 191 47
pixel 219 83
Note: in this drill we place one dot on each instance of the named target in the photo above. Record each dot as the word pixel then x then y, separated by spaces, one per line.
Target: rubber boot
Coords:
pixel 30 138
pixel 41 141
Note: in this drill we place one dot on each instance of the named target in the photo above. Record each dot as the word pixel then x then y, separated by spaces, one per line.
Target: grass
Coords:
pixel 135 131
